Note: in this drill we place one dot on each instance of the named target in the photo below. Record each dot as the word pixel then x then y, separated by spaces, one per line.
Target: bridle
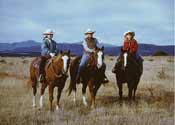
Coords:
pixel 62 72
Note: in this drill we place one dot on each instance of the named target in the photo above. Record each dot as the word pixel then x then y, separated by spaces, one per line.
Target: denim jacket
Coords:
pixel 48 46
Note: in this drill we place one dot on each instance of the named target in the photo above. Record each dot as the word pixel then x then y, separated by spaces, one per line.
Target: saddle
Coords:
pixel 38 60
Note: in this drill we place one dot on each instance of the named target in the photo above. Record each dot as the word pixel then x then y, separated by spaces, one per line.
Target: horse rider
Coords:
pixel 89 45
pixel 48 50
pixel 130 45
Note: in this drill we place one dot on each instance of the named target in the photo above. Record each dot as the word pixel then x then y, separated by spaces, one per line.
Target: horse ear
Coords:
pixel 121 49
pixel 102 48
pixel 69 51
pixel 96 48
pixel 61 52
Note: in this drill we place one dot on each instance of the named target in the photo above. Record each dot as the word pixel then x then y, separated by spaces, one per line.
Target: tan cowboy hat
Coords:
pixel 89 31
pixel 48 32
pixel 129 32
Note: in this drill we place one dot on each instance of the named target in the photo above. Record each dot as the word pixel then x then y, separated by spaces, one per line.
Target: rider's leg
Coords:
pixel 140 61
pixel 84 58
pixel 41 68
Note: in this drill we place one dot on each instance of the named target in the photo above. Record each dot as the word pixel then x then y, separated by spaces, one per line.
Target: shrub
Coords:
pixel 3 61
pixel 161 74
pixel 151 60
pixel 160 53
pixel 25 61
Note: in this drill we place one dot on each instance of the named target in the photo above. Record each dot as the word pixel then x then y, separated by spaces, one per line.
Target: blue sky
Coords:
pixel 152 20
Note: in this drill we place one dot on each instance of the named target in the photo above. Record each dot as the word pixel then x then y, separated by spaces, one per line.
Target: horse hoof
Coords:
pixel 40 109
pixel 92 107
pixel 59 108
pixel 34 106
pixel 51 110
pixel 85 104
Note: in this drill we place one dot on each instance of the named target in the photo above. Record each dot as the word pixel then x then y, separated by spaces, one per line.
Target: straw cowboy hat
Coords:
pixel 129 32
pixel 48 32
pixel 89 31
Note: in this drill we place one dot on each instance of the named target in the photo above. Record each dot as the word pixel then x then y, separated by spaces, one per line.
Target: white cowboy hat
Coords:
pixel 48 31
pixel 89 31
pixel 129 32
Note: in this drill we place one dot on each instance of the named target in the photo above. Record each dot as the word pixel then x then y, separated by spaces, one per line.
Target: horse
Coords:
pixel 127 70
pixel 55 76
pixel 91 76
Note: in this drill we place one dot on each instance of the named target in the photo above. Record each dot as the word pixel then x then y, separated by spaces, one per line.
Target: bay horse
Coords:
pixel 55 76
pixel 127 70
pixel 91 76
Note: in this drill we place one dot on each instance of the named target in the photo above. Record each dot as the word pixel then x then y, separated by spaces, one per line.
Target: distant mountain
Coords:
pixel 32 48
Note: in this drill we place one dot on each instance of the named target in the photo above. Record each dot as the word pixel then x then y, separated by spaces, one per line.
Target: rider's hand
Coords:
pixel 93 50
pixel 52 54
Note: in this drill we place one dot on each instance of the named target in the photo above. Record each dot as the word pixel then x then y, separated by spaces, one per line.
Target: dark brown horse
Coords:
pixel 55 76
pixel 128 71
pixel 91 76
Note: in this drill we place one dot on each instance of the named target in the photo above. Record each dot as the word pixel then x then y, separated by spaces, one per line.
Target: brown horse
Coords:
pixel 128 70
pixel 91 76
pixel 55 76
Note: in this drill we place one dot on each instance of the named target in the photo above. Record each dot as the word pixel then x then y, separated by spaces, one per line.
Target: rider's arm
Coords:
pixel 44 48
pixel 134 46
pixel 98 44
pixel 126 46
pixel 86 47
pixel 56 47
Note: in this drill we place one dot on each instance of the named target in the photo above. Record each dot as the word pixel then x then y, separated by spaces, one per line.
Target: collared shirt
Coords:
pixel 48 46
pixel 87 49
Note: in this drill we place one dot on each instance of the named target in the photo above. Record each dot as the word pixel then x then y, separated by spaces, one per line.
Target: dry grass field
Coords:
pixel 154 103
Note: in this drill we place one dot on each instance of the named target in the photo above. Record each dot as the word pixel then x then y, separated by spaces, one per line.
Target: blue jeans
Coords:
pixel 138 57
pixel 83 61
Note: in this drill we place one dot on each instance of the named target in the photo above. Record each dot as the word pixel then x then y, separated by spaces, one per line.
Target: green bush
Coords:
pixel 160 53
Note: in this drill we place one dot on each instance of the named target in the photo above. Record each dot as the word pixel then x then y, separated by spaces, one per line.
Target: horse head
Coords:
pixel 127 58
pixel 65 58
pixel 97 57
pixel 124 57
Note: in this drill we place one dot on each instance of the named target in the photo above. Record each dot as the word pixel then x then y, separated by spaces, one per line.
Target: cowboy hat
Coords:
pixel 89 31
pixel 48 32
pixel 129 32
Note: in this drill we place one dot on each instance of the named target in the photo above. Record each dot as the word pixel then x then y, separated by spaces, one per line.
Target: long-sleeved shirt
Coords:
pixel 130 46
pixel 48 46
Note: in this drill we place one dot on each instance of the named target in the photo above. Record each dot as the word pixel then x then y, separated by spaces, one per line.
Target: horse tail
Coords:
pixel 32 72
pixel 73 72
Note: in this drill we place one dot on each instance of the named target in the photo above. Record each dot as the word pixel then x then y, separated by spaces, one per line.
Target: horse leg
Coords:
pixel 84 93
pixel 120 87
pixel 74 99
pixel 74 92
pixel 34 96
pixel 92 97
pixel 59 90
pixel 135 88
pixel 96 89
pixel 43 87
pixel 130 93
pixel 51 89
